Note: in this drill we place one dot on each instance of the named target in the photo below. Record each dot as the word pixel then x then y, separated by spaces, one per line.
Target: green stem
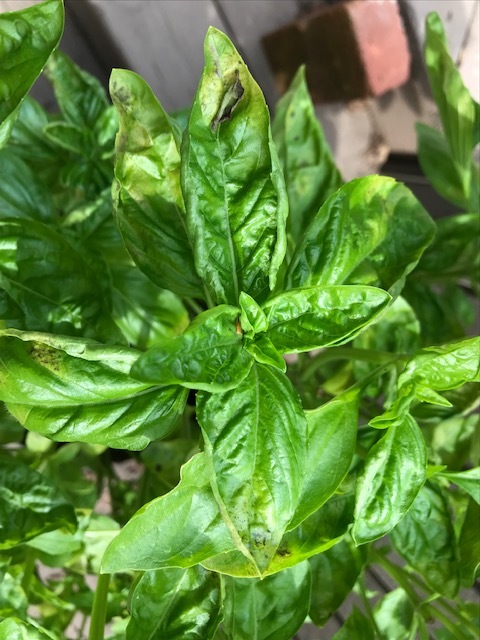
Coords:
pixel 194 306
pixel 99 609
pixel 368 608
pixel 29 569
pixel 350 353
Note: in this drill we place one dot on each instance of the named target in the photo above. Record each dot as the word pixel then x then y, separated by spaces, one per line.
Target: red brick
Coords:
pixel 353 49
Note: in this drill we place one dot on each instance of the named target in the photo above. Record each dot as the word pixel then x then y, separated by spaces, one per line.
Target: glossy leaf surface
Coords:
pixel 209 355
pixel 270 609
pixel 27 38
pixel 29 504
pixel 175 604
pixel 394 616
pixel 310 172
pixel 468 480
pixel 312 317
pixel 180 529
pixel 256 441
pixel 232 181
pixel 371 231
pixel 334 572
pixel 332 434
pixel 395 470
pixel 147 195
pixel 426 539
pixel 71 389
pixel 16 629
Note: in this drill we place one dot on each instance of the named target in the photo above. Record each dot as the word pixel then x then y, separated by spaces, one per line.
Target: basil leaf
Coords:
pixel 313 317
pixel 263 350
pixel 51 282
pixel 332 435
pixel 394 616
pixel 15 629
pixel 393 227
pixel 69 137
pixel 258 457
pixel 459 113
pixel 270 609
pixel 382 500
pixel 29 504
pixel 426 540
pixel 180 529
pixel 469 481
pixel 27 38
pixel 147 195
pixel 320 531
pixel 469 546
pixel 80 96
pixel 232 181
pixel 175 604
pixel 23 195
pixel 357 627
pixel 209 355
pixel 73 389
pixel 334 573
pixel 310 172
pixel 252 317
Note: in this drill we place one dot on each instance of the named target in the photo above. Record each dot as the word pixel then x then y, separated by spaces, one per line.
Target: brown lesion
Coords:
pixel 231 98
pixel 45 356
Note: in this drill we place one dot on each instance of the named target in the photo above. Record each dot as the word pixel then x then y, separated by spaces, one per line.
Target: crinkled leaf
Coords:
pixel 180 529
pixel 232 181
pixel 371 231
pixel 71 389
pixel 27 38
pixel 334 572
pixel 310 172
pixel 175 604
pixel 394 616
pixel 147 194
pixel 256 441
pixel 270 609
pixel 312 317
pixel 332 435
pixel 53 285
pixel 395 470
pixel 209 354
pixel 468 480
pixel 80 96
pixel 29 504
pixel 426 540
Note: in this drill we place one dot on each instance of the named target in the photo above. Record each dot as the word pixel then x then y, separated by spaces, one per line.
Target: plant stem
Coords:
pixel 194 306
pixel 368 608
pixel 29 569
pixel 99 609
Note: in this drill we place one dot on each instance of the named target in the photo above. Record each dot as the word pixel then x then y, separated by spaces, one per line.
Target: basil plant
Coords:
pixel 282 358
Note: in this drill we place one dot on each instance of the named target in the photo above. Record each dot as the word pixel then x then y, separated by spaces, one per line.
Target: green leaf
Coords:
pixel 357 627
pixel 395 470
pixel 23 195
pixel 148 199
pixel 256 442
pixel 209 355
pixel 394 616
pixel 180 529
pixel 16 629
pixel 263 350
pixel 312 317
pixel 27 38
pixel 53 285
pixel 232 181
pixel 80 96
pixel 332 435
pixel 29 504
pixel 469 546
pixel 469 481
pixel 252 317
pixel 310 172
pixel 459 113
pixel 270 609
pixel 72 389
pixel 426 540
pixel 175 604
pixel 434 156
pixel 334 572
pixel 69 137
pixel 371 231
